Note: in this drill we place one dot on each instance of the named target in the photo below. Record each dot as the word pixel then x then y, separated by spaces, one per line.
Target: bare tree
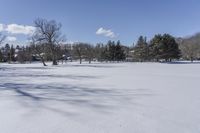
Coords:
pixel 190 48
pixel 79 50
pixel 189 51
pixel 49 32
pixel 2 38
pixel 98 50
pixel 38 49
pixel 90 52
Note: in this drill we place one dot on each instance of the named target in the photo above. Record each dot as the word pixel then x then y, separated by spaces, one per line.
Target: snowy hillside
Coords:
pixel 100 98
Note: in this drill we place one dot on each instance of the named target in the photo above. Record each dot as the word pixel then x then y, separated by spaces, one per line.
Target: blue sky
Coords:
pixel 123 20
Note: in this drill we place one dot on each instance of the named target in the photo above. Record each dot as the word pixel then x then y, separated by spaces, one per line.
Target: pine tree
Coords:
pixel 164 47
pixel 154 48
pixel 119 55
pixel 1 56
pixel 141 49
pixel 7 52
pixel 12 53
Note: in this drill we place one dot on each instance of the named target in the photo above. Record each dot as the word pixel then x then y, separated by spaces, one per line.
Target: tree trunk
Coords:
pixel 55 62
pixel 90 57
pixel 43 62
pixel 80 60
pixel 191 59
pixel 52 48
pixel 10 57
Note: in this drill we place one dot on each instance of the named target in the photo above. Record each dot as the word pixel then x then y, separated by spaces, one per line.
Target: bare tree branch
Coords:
pixel 48 32
pixel 2 38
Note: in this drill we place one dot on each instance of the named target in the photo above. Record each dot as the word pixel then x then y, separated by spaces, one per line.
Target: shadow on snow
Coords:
pixel 50 95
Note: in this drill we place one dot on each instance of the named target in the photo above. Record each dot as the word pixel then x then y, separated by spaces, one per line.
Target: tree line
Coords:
pixel 47 44
pixel 161 47
pixel 112 51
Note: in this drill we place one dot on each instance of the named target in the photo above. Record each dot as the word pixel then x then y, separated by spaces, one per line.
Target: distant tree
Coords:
pixel 189 51
pixel 17 47
pixel 98 50
pixel 2 38
pixel 89 52
pixel 111 51
pixel 29 53
pixel 79 50
pixel 84 50
pixel 170 48
pixel 190 47
pixel 12 53
pixel 128 52
pixel 7 53
pixel 105 54
pixel 119 52
pixel 38 49
pixel 67 52
pixel 1 56
pixel 154 48
pixel 21 55
pixel 49 32
pixel 164 47
pixel 59 52
pixel 141 50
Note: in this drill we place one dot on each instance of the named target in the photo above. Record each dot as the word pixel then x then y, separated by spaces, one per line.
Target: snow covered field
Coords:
pixel 100 98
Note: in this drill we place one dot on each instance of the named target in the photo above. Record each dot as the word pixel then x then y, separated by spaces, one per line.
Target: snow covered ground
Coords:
pixel 100 98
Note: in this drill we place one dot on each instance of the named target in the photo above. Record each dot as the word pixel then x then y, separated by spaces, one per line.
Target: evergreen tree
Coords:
pixel 105 56
pixel 164 47
pixel 99 49
pixel 12 53
pixel 154 48
pixel 7 52
pixel 141 49
pixel 119 55
pixel 1 56
pixel 111 51
pixel 170 48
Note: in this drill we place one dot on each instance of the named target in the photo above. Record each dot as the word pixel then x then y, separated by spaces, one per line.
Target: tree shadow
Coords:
pixel 42 95
pixel 181 62
pixel 93 65
pixel 39 75
pixel 7 68
pixel 96 99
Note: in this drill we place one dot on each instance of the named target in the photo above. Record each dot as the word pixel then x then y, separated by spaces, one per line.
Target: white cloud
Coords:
pixel 20 29
pixel 1 27
pixel 11 39
pixel 107 33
